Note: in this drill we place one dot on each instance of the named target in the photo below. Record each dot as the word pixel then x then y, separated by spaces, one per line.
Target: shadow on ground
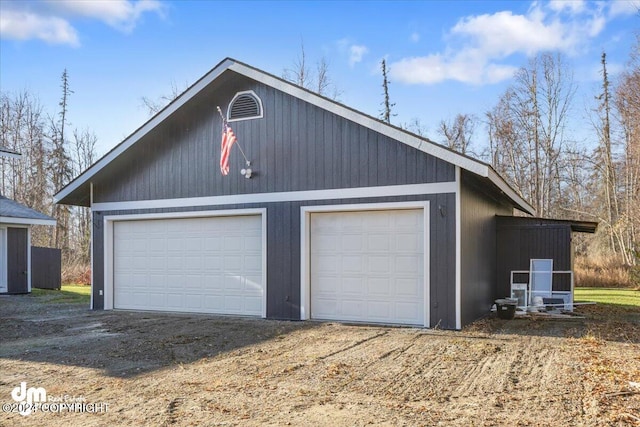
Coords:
pixel 122 343
pixel 41 328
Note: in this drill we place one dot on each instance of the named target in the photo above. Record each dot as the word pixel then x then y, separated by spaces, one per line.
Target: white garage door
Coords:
pixel 206 265
pixel 368 266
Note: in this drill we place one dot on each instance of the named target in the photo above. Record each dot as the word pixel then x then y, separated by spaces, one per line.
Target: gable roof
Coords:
pixel 16 213
pixel 70 193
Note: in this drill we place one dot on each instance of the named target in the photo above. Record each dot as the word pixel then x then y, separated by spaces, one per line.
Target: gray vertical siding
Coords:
pixel 478 247
pixel 521 239
pixel 296 146
pixel 283 253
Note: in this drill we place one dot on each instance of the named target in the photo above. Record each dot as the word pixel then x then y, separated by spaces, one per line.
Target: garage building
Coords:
pixel 341 216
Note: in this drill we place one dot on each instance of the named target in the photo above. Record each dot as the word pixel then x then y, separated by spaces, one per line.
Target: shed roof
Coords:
pixel 77 191
pixel 575 225
pixel 15 213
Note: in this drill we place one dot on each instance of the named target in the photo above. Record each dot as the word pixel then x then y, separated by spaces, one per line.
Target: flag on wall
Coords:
pixel 228 139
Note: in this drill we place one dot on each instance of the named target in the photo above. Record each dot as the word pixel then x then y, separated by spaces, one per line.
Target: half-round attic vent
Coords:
pixel 244 106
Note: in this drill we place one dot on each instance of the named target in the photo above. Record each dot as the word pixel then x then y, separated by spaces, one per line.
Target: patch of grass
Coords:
pixel 611 296
pixel 69 294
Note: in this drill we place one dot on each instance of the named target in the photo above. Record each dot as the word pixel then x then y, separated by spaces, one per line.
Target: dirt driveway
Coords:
pixel 166 369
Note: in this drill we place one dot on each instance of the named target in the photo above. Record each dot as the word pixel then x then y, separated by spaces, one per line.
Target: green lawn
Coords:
pixel 68 294
pixel 628 297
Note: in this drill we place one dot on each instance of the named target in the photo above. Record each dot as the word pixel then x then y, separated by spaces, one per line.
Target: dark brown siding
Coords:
pixel 478 247
pixel 523 239
pixel 295 146
pixel 283 253
pixel 46 266
pixel 17 273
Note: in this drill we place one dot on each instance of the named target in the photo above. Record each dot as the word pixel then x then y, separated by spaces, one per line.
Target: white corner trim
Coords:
pixel 91 241
pixel 289 196
pixel 26 221
pixel 305 247
pixel 109 220
pixel 458 250
pixel 29 259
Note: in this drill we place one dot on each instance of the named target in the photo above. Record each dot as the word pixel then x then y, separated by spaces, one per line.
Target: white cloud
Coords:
pixel 51 20
pixel 120 14
pixel 356 53
pixel 571 6
pixel 415 37
pixel 623 7
pixel 503 33
pixel 437 68
pixel 23 25
pixel 479 45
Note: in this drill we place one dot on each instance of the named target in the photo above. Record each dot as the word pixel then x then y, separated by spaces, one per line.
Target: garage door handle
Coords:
pixel 24 272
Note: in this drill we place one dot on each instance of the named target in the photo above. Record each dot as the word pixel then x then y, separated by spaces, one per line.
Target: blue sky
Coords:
pixel 444 57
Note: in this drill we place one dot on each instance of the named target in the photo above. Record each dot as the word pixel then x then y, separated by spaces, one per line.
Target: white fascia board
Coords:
pixel 361 119
pixel 142 131
pixel 26 221
pixel 506 189
pixel 289 196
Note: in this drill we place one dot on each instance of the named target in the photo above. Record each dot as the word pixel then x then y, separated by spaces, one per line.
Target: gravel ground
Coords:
pixel 194 370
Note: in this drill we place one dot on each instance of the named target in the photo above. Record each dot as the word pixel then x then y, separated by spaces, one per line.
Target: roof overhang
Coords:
pixel 577 226
pixel 26 221
pixel 408 138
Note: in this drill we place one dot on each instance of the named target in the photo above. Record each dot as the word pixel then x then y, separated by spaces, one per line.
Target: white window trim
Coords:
pixel 305 230
pixel 109 221
pixel 239 94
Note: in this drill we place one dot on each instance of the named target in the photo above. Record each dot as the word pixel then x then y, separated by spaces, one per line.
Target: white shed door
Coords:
pixel 368 266
pixel 205 265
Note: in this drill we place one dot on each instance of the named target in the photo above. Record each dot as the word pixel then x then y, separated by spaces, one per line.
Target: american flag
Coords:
pixel 228 139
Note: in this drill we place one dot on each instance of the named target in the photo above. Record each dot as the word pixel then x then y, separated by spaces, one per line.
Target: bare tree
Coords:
pixel 527 130
pixel 458 133
pixel 154 106
pixel 26 179
pixel 301 75
pixel 416 126
pixel 387 105
pixel 60 167
pixel 83 154
pixel 627 104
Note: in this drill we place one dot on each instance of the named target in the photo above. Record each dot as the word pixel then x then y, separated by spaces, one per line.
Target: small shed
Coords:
pixel 522 239
pixel 16 221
